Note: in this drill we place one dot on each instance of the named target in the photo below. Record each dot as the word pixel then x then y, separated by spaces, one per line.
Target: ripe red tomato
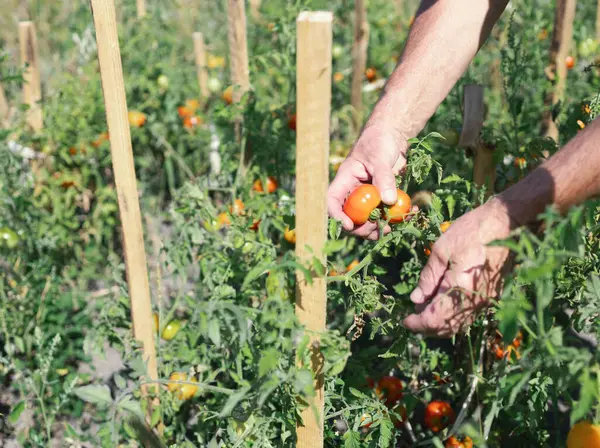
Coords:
pixel 389 389
pixel 570 62
pixel 584 435
pixel 370 74
pixel 361 203
pixel 397 212
pixel 438 415
pixel 292 122
pixel 455 442
pixel 271 185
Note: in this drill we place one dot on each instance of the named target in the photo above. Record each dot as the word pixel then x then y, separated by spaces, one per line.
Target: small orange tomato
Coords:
pixel 371 74
pixel 292 122
pixel 427 251
pixel 352 265
pixel 72 150
pixel 570 62
pixel 255 225
pixel 176 376
pixel 271 185
pixel 455 442
pixel 184 112
pixel 103 137
pixel 389 389
pixel 136 118
pixel 187 391
pixel 361 203
pixel 438 379
pixel 237 208
pixel 223 219
pixel 67 184
pixel 543 34
pixel 228 95
pixel 338 77
pixel 512 349
pixel 332 273
pixel 438 415
pixel 520 162
pixel 581 124
pixel 397 212
pixel 584 435
pixel 290 235
pixel 192 122
pixel 499 352
pixel 445 226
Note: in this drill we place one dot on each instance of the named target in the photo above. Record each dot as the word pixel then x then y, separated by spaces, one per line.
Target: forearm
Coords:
pixel 568 178
pixel 444 38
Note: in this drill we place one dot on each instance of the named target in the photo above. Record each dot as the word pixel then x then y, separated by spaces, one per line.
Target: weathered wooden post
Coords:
pixel 141 8
pixel 201 71
pixel 32 85
pixel 314 65
pixel 359 60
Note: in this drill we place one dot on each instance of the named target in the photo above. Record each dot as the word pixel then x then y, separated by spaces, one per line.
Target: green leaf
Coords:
pixel 453 178
pixel 351 439
pixel 386 431
pixel 233 400
pixel 357 393
pixel 335 228
pixel 94 393
pixel 127 404
pixel 120 382
pixel 587 396
pixel 450 203
pixel 214 331
pixel 16 412
pixel 268 361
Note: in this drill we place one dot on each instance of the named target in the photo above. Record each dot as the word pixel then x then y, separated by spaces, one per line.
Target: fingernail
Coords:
pixel 388 196
pixel 417 295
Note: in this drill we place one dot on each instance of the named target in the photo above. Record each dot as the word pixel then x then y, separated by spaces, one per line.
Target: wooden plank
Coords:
pixel 111 71
pixel 201 71
pixel 313 58
pixel 484 169
pixel 141 8
pixel 562 38
pixel 255 9
pixel 359 60
pixel 32 85
pixel 238 48
pixel 4 108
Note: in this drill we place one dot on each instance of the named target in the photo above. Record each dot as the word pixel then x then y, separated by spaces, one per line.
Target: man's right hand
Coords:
pixel 378 155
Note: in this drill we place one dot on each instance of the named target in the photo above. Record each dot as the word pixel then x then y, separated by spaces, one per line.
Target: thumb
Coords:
pixel 384 180
pixel 430 279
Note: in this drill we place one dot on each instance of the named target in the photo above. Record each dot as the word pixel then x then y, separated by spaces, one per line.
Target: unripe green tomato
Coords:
pixel 8 238
pixel 171 330
pixel 337 51
pixel 451 136
pixel 588 47
pixel 238 241
pixel 248 247
pixel 163 82
pixel 214 85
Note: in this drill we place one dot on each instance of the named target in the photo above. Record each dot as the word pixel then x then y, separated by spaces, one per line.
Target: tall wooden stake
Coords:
pixel 141 8
pixel 238 48
pixel 359 60
pixel 4 109
pixel 255 9
pixel 562 38
pixel 598 22
pixel 484 169
pixel 32 86
pixel 111 71
pixel 313 59
pixel 201 72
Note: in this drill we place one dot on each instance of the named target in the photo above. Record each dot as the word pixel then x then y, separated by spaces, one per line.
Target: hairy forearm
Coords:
pixel 444 38
pixel 568 178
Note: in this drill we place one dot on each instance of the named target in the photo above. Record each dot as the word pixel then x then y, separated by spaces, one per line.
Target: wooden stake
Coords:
pixel 32 86
pixel 141 8
pixel 359 60
pixel 255 9
pixel 598 22
pixel 484 169
pixel 111 71
pixel 313 59
pixel 238 48
pixel 201 71
pixel 562 38
pixel 4 109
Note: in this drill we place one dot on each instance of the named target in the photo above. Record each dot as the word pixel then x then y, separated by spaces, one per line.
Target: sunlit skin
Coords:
pixel 462 274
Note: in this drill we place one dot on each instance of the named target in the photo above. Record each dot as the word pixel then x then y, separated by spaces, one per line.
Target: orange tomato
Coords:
pixel 397 212
pixel 271 185
pixel 223 219
pixel 570 62
pixel 237 208
pixel 103 137
pixel 191 106
pixel 188 391
pixel 499 352
pixel 581 124
pixel 136 119
pixel 191 122
pixel 361 203
pixel 290 235
pixel 176 376
pixel 338 77
pixel 455 442
pixel 292 122
pixel 520 162
pixel 228 95
pixel 427 251
pixel 332 273
pixel 371 74
pixel 352 265
pixel 584 435
pixel 438 415
pixel 445 226
pixel 389 389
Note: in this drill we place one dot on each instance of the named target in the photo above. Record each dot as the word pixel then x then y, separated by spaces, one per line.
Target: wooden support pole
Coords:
pixel 562 38
pixel 313 59
pixel 598 22
pixel 111 71
pixel 141 8
pixel 238 48
pixel 484 169
pixel 4 109
pixel 32 85
pixel 359 60
pixel 201 71
pixel 255 9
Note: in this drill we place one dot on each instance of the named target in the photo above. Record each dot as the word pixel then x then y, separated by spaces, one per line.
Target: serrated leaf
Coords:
pixel 94 393
pixel 453 178
pixel 268 361
pixel 357 393
pixel 335 228
pixel 587 396
pixel 450 203
pixel 128 404
pixel 119 381
pixel 351 439
pixel 386 431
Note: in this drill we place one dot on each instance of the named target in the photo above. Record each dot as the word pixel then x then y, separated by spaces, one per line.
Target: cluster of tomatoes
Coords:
pixel 501 352
pixel 188 114
pixel 364 204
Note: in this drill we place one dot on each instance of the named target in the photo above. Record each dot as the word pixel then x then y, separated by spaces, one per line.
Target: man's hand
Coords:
pixel 462 273
pixel 378 155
